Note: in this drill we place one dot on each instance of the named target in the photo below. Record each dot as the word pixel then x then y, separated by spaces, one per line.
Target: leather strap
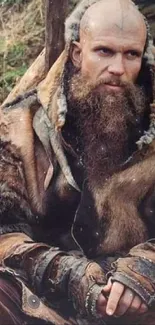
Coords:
pixel 41 267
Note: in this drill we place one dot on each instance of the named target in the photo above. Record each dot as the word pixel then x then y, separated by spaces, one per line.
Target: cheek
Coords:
pixel 91 64
pixel 133 70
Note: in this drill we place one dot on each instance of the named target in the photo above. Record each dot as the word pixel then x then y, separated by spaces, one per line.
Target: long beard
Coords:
pixel 110 123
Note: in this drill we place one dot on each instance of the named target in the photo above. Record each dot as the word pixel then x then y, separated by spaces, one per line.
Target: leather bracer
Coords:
pixel 81 279
pixel 47 267
pixel 20 253
pixel 137 271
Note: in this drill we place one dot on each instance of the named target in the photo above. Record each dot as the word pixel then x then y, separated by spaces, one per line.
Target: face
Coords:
pixel 110 50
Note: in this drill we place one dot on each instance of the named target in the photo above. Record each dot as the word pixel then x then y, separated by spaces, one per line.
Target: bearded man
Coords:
pixel 71 176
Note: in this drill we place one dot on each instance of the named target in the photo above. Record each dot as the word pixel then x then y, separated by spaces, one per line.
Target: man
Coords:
pixel 69 165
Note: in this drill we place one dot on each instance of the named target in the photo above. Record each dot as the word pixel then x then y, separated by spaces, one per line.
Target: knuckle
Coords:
pixel 121 311
pixel 137 302
pixel 134 307
pixel 144 308
pixel 123 302
pixel 130 293
pixel 124 305
pixel 122 308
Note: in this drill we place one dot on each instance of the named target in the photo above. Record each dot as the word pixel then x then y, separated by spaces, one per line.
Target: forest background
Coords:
pixel 22 36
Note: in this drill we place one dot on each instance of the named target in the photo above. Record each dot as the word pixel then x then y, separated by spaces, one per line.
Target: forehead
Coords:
pixel 118 18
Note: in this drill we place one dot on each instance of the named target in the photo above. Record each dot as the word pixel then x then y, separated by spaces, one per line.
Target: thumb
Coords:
pixel 107 287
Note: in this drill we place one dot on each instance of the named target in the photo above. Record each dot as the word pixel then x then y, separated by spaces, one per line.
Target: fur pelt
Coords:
pixel 125 203
pixel 14 207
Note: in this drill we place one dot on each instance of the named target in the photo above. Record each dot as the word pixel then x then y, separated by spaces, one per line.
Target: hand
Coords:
pixel 121 300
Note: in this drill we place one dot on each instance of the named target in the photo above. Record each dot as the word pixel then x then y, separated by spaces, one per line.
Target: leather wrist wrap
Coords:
pixel 41 266
pixel 81 279
pixel 137 271
pixel 29 257
pixel 47 267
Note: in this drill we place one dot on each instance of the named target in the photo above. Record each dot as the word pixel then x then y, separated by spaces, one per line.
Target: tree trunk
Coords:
pixel 56 11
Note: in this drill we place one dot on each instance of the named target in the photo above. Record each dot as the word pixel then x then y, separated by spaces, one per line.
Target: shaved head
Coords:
pixel 112 41
pixel 120 14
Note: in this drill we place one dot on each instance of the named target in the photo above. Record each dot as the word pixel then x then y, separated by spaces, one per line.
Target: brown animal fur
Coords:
pixel 118 201
pixel 16 121
pixel 13 194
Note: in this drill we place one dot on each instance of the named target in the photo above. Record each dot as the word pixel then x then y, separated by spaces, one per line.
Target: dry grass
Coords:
pixel 22 23
pixel 21 40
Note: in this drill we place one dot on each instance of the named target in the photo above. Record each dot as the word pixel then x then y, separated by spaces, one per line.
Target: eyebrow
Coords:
pixel 112 45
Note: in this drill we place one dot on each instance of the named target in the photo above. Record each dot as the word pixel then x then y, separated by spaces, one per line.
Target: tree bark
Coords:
pixel 56 11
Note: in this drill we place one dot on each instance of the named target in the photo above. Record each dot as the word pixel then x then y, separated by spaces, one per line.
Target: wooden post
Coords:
pixel 56 11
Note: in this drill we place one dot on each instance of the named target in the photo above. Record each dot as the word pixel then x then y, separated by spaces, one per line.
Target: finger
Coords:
pixel 114 297
pixel 125 302
pixel 143 309
pixel 135 306
pixel 101 305
pixel 107 287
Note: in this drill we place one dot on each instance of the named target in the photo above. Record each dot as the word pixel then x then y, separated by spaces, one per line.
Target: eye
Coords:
pixel 133 54
pixel 104 51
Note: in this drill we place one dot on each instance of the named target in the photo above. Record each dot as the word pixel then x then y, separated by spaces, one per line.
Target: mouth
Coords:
pixel 114 87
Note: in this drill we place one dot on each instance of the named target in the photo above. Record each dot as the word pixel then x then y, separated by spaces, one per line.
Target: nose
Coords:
pixel 116 66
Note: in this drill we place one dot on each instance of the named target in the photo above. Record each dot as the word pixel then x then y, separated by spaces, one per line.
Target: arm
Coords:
pixel 50 270
pixel 44 266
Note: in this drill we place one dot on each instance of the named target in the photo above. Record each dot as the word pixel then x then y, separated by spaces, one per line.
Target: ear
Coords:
pixel 75 54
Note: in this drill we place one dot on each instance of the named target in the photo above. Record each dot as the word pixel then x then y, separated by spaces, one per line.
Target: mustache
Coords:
pixel 112 81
